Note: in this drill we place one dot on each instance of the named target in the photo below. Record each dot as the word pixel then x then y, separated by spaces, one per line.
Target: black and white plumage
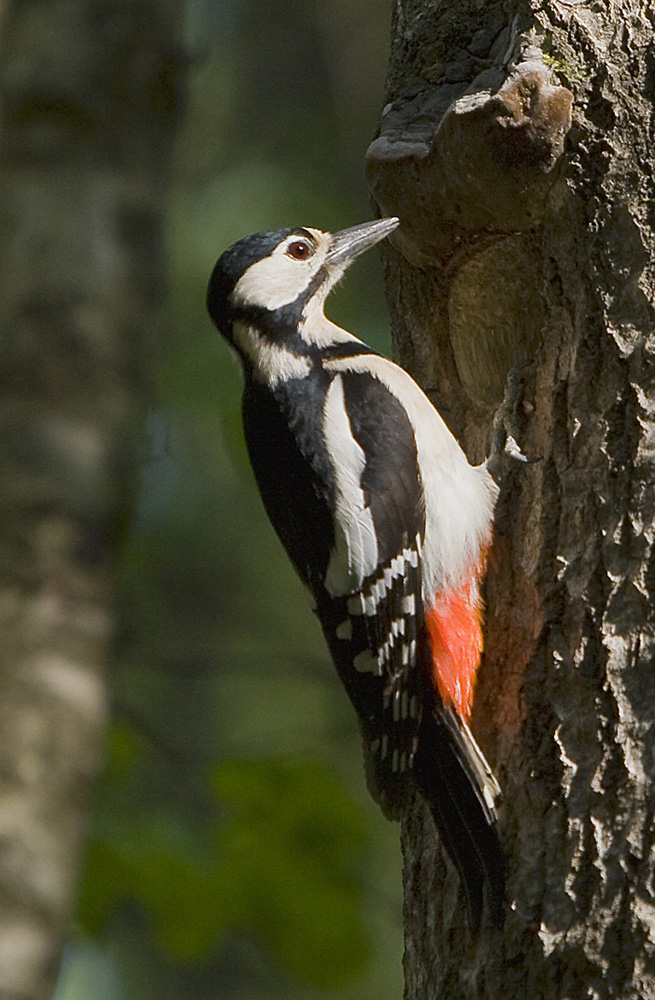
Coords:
pixel 383 518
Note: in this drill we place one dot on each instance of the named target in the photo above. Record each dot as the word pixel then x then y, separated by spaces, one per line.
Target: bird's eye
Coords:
pixel 299 250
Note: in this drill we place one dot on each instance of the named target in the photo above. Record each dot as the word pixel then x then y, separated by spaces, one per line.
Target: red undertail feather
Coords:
pixel 454 625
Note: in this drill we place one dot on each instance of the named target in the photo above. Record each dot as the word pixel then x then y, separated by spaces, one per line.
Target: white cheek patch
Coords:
pixel 279 279
pixel 355 553
pixel 272 363
pixel 273 282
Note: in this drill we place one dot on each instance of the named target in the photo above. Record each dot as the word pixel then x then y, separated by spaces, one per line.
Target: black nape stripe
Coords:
pixel 282 324
pixel 347 349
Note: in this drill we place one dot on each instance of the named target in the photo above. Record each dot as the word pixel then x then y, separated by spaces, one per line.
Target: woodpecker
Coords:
pixel 386 523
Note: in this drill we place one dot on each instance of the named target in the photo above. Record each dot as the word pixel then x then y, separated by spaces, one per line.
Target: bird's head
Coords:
pixel 284 273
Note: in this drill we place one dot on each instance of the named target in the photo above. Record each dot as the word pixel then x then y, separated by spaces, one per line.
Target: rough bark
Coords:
pixel 527 247
pixel 87 99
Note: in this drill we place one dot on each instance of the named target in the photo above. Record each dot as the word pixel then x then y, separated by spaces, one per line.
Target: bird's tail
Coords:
pixel 463 795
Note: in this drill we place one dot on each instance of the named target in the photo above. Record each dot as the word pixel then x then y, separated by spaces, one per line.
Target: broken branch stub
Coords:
pixel 477 167
pixel 469 176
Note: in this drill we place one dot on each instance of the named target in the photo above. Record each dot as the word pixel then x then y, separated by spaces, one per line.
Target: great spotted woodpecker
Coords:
pixel 384 520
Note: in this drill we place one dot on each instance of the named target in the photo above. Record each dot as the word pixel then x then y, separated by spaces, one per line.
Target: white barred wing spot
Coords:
pixel 345 630
pixel 389 578
pixel 409 653
pixel 366 662
pixel 355 604
pixel 408 604
pixel 384 615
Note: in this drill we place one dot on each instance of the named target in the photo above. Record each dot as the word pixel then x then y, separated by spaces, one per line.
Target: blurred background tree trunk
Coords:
pixel 527 246
pixel 89 94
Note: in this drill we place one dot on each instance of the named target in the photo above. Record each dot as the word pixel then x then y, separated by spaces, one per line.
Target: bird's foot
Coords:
pixel 505 430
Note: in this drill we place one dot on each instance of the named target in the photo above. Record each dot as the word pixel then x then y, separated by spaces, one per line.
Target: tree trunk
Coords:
pixel 87 99
pixel 526 247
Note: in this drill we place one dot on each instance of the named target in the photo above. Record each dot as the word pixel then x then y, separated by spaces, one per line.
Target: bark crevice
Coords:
pixel 565 703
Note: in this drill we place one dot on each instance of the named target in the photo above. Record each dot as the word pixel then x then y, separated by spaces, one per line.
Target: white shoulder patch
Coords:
pixel 459 498
pixel 355 552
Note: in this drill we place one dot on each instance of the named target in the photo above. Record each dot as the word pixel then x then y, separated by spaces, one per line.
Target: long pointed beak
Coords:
pixel 349 243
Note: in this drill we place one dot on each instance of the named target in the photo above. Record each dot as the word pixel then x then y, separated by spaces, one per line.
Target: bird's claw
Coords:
pixel 504 443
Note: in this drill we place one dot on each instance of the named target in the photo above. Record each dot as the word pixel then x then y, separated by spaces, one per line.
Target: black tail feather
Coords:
pixel 462 793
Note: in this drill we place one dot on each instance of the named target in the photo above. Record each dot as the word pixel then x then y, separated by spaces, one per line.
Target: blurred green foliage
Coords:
pixel 234 851
pixel 288 855
pixel 269 864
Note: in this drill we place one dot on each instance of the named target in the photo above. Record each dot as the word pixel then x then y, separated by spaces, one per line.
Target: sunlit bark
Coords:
pixel 529 247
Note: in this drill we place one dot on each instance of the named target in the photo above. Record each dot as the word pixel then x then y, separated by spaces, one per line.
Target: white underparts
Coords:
pixel 355 552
